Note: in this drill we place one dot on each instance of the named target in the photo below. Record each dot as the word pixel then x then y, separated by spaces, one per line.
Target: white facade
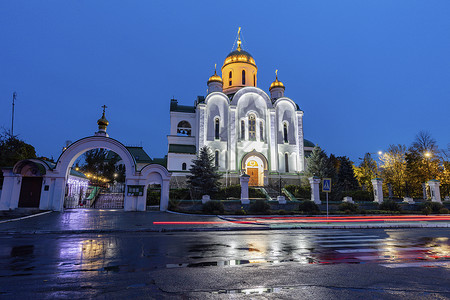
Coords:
pixel 246 129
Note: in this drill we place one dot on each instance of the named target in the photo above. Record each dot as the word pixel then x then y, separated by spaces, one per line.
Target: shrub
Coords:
pixel 292 188
pixel 240 211
pixel 390 205
pixel 179 194
pixel 359 195
pixel 444 211
pixel 426 211
pixel 255 193
pixel 308 206
pixel 435 207
pixel 213 207
pixel 232 191
pixel 174 204
pixel 352 207
pixel 259 206
pixel 300 192
pixel 153 197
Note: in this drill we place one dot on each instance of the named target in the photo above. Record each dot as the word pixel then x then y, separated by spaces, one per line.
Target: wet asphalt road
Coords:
pixel 295 264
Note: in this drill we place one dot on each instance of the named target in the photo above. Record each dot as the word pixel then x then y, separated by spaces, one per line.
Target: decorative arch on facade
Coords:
pixel 31 167
pixel 257 154
pixel 251 89
pixel 184 128
pixel 217 95
pixel 285 99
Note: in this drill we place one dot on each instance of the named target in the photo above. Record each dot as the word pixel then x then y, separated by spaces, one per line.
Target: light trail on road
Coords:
pixel 334 219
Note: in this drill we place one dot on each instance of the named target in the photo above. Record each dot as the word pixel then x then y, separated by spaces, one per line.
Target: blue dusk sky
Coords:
pixel 367 74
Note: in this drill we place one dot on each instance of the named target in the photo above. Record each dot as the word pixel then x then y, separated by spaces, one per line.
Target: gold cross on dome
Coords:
pixel 104 108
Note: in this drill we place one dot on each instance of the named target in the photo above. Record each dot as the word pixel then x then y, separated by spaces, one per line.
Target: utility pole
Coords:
pixel 12 119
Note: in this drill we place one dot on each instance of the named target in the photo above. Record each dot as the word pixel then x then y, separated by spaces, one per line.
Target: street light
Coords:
pixel 428 155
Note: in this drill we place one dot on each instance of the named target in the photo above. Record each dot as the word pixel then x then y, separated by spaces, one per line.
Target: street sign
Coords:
pixel 326 185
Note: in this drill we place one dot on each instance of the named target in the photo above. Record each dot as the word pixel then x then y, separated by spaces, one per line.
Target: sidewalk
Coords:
pixel 78 221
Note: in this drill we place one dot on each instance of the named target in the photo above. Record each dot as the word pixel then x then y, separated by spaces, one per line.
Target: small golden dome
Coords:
pixel 276 83
pixel 102 122
pixel 215 78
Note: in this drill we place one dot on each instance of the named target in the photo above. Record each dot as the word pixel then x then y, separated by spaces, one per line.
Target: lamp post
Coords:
pixel 376 162
pixel 428 155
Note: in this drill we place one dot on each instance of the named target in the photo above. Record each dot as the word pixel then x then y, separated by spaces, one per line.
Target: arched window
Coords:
pixel 216 159
pixel 285 133
pixel 183 167
pixel 184 128
pixel 242 130
pixel 243 77
pixel 261 131
pixel 286 162
pixel 254 80
pixel 251 127
pixel 230 76
pixel 216 128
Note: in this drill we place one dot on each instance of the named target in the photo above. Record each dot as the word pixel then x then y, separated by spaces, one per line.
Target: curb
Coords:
pixel 26 217
pixel 209 229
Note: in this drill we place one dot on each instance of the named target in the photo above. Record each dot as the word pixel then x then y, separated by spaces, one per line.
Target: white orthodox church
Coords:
pixel 246 129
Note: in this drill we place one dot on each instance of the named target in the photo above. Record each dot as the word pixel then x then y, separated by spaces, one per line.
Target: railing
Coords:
pixel 263 190
pixel 289 195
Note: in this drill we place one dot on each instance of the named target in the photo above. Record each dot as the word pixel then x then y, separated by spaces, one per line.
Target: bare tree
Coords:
pixel 424 142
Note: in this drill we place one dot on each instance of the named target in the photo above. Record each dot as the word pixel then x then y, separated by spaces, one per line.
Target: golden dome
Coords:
pixel 239 55
pixel 102 122
pixel 215 78
pixel 276 83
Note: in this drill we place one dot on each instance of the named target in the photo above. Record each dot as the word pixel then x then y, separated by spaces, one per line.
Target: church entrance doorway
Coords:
pixel 254 166
pixel 30 192
pixel 253 173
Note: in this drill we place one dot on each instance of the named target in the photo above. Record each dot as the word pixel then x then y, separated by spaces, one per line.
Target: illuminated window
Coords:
pixel 285 132
pixel 261 131
pixel 184 128
pixel 243 77
pixel 242 130
pixel 216 158
pixel 251 127
pixel 216 129
pixel 286 162
pixel 183 166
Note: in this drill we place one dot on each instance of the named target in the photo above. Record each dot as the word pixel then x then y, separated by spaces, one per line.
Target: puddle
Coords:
pixel 136 285
pixel 112 269
pixel 22 250
pixel 254 291
pixel 227 263
pixel 206 247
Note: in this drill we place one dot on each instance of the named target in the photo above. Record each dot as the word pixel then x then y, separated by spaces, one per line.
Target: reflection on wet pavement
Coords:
pixel 67 255
pixel 254 291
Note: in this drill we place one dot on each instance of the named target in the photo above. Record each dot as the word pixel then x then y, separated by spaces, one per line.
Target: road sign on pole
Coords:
pixel 326 187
